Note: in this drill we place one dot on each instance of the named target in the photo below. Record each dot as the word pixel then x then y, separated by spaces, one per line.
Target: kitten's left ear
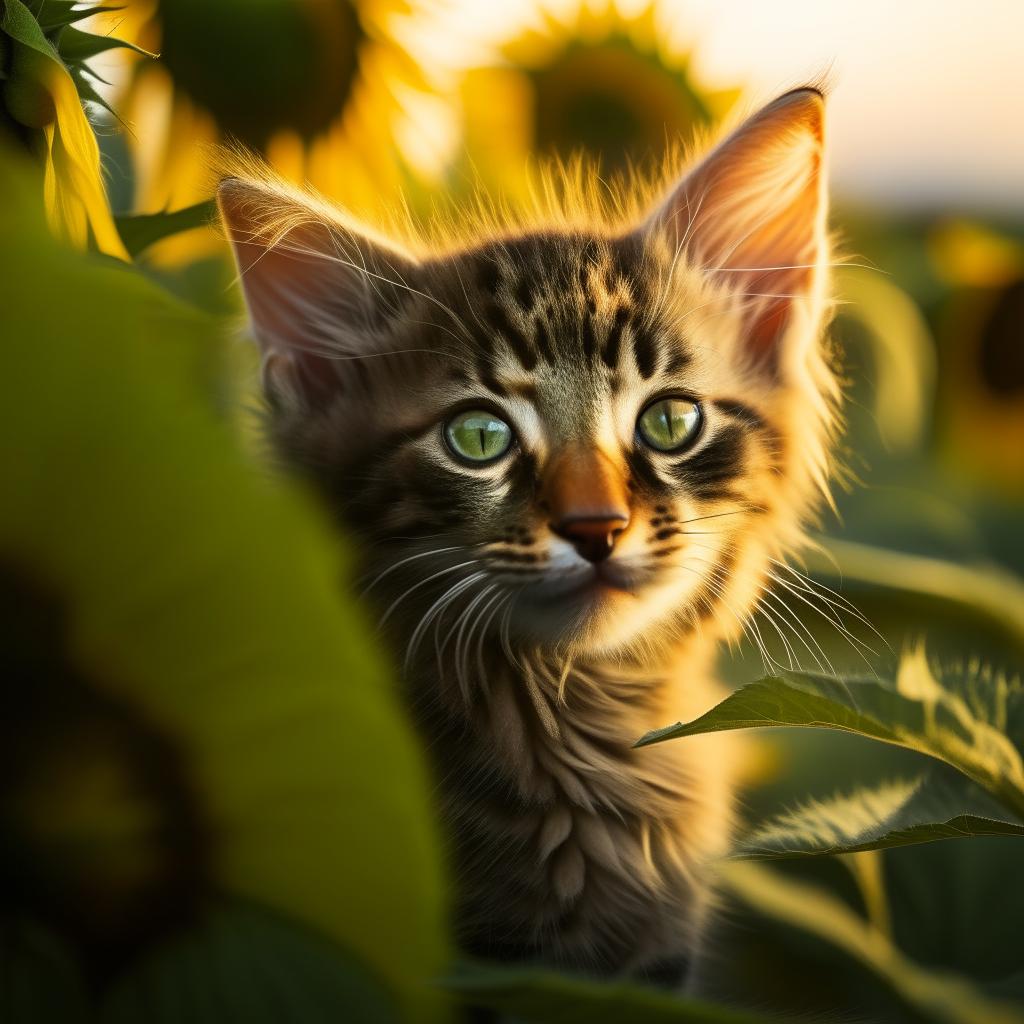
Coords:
pixel 752 214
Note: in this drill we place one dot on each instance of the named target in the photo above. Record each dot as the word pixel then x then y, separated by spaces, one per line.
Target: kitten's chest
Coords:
pixel 560 828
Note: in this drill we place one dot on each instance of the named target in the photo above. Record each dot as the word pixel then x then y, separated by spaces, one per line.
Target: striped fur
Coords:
pixel 569 846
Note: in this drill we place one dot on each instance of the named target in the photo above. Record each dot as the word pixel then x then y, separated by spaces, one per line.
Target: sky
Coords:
pixel 927 100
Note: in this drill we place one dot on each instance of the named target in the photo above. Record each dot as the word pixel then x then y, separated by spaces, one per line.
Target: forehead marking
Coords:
pixel 613 342
pixel 645 352
pixel 517 342
pixel 543 338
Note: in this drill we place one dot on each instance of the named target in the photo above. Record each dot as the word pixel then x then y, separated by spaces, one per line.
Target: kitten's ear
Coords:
pixel 317 291
pixel 753 214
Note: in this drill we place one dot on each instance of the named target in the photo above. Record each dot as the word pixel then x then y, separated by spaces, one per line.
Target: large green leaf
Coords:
pixel 991 593
pixel 246 966
pixel 961 721
pixel 957 906
pixel 39 981
pixel 203 626
pixel 942 997
pixel 543 997
pixel 939 805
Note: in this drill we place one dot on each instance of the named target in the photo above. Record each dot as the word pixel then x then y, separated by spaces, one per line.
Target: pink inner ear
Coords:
pixel 306 287
pixel 286 285
pixel 752 213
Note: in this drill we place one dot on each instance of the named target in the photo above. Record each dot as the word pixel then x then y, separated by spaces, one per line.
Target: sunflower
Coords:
pixel 980 326
pixel 44 79
pixel 602 83
pixel 208 792
pixel 312 85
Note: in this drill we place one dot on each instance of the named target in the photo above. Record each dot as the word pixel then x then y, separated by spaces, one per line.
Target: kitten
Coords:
pixel 569 453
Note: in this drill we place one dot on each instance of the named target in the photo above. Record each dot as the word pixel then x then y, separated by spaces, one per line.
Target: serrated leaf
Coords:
pixel 544 997
pixel 141 230
pixel 945 998
pixel 960 722
pixel 939 805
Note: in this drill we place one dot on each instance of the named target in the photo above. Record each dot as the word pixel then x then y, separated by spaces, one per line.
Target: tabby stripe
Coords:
pixel 588 336
pixel 517 341
pixel 641 468
pixel 543 340
pixel 488 275
pixel 739 411
pixel 485 373
pixel 521 474
pixel 524 293
pixel 678 360
pixel 645 353
pixel 613 343
pixel 719 462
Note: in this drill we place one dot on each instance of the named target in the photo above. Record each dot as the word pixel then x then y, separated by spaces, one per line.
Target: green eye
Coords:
pixel 669 423
pixel 478 435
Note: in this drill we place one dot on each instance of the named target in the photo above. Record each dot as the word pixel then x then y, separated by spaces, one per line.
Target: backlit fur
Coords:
pixel 569 846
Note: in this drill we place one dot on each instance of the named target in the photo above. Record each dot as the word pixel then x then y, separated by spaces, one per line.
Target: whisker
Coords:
pixel 794 621
pixel 423 583
pixel 405 561
pixel 436 609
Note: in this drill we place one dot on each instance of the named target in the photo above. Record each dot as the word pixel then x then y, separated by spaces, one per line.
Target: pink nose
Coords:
pixel 593 537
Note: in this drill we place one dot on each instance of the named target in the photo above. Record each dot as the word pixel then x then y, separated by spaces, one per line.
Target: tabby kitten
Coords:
pixel 569 451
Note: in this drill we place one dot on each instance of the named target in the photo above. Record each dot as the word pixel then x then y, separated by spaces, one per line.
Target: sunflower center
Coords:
pixel 101 836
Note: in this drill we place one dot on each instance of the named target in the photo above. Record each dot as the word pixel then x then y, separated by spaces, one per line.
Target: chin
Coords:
pixel 598 611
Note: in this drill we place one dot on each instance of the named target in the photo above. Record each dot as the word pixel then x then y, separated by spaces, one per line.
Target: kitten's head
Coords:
pixel 586 434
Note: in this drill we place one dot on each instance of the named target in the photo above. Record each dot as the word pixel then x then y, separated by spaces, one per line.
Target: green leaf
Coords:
pixel 141 230
pixel 18 23
pixel 75 45
pixel 958 905
pixel 39 981
pixel 987 590
pixel 944 998
pixel 961 723
pixel 207 601
pixel 244 965
pixel 87 92
pixel 939 805
pixel 543 997
pixel 56 14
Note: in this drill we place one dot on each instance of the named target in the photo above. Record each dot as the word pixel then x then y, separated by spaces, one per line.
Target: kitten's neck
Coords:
pixel 561 727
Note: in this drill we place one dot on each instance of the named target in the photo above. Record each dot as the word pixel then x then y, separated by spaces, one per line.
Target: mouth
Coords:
pixel 610 577
pixel 592 583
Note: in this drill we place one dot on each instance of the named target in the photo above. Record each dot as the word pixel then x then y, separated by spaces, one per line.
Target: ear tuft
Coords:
pixel 314 286
pixel 752 213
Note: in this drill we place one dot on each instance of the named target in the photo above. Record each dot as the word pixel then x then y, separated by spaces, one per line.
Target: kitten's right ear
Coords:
pixel 317 291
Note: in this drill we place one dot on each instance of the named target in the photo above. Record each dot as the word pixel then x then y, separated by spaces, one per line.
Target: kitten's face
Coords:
pixel 566 439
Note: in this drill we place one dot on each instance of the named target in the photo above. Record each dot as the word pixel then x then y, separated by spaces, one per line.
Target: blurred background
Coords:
pixel 112 117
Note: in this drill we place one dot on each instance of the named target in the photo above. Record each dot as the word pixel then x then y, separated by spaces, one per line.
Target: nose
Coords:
pixel 586 500
pixel 593 537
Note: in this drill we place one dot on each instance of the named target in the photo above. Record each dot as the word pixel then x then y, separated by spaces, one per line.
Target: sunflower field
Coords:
pixel 212 806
